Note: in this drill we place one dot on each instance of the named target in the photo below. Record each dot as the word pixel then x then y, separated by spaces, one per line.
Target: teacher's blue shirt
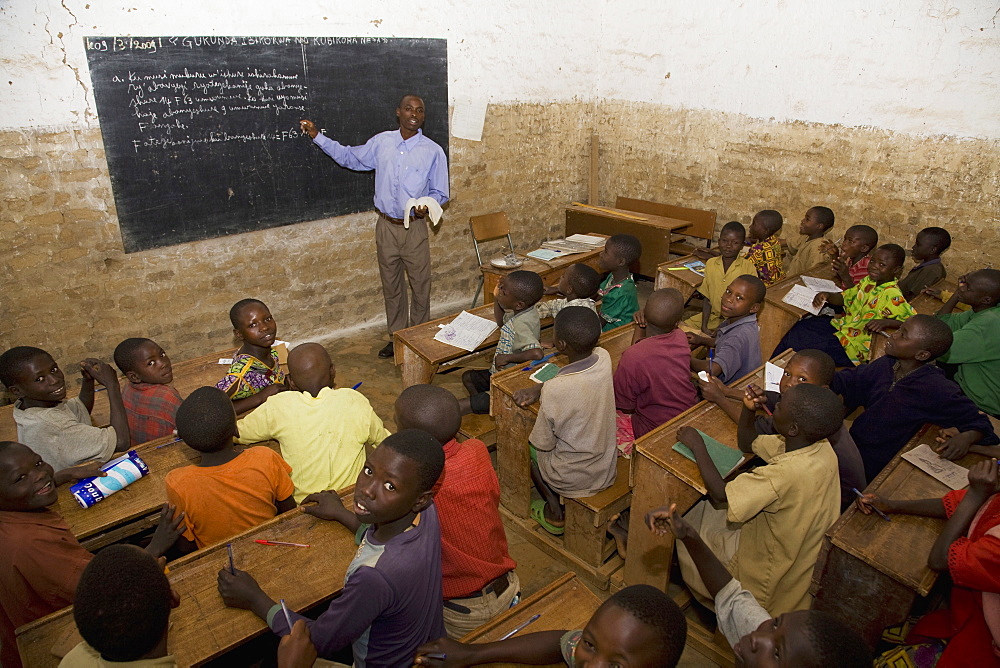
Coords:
pixel 416 167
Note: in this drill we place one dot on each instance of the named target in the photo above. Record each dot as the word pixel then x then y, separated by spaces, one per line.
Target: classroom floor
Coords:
pixel 355 358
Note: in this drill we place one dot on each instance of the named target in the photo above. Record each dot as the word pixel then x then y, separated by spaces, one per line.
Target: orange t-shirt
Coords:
pixel 221 501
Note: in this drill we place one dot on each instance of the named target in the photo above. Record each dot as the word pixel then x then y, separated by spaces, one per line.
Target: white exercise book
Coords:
pixel 467 331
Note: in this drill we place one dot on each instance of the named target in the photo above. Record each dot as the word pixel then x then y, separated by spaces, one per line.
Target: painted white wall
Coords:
pixel 915 66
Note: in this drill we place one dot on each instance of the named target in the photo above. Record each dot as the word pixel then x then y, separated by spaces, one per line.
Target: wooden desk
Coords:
pixel 550 271
pixel 202 627
pixel 565 604
pixel 870 571
pixel 776 317
pixel 514 423
pixel 663 476
pixel 135 508
pixel 652 231
pixel 684 281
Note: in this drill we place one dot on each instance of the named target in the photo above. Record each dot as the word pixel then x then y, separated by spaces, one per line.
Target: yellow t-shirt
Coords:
pixel 714 286
pixel 806 255
pixel 323 438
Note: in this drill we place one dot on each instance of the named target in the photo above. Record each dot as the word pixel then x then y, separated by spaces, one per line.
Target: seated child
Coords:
pixel 578 284
pixel 902 391
pixel 150 400
pixel 617 294
pixel 782 509
pixel 477 573
pixel 807 366
pixel 514 310
pixel 653 379
pixel 573 441
pixel 968 549
pixel 41 561
pixel 975 352
pixel 850 261
pixel 255 373
pixel 872 305
pixel 638 627
pixel 926 252
pixel 229 490
pixel 736 344
pixel 806 251
pixel 797 639
pixel 57 428
pixel 391 600
pixel 322 429
pixel 765 251
pixel 720 272
pixel 122 610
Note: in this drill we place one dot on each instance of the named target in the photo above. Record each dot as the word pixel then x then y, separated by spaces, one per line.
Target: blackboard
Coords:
pixel 202 133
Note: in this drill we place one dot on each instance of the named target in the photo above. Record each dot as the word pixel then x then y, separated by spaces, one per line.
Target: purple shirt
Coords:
pixel 391 601
pixel 737 347
pixel 653 379
pixel 407 169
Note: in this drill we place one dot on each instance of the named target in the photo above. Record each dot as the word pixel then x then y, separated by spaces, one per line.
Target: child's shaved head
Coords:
pixel 934 334
pixel 237 310
pixel 525 286
pixel 734 227
pixel 206 420
pixel 660 615
pixel 821 362
pixel 578 327
pixel 430 408
pixel 816 410
pixel 824 216
pixel 866 234
pixel 835 643
pixel 626 247
pixel 664 308
pixel 895 251
pixel 15 358
pixel 423 450
pixel 310 367
pixel 757 287
pixel 584 280
pixel 770 219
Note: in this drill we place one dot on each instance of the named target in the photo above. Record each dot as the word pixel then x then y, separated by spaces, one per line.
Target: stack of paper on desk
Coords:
pixel 591 240
pixel 467 331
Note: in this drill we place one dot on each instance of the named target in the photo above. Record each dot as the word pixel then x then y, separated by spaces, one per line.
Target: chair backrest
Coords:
pixel 702 222
pixel 488 227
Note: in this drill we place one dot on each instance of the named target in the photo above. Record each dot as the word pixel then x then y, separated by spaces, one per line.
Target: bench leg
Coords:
pixel 582 538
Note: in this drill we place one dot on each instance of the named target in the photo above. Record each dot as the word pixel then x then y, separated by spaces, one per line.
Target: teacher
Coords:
pixel 407 165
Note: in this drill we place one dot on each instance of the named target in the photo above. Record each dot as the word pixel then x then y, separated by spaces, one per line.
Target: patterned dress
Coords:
pixel 249 375
pixel 863 303
pixel 766 257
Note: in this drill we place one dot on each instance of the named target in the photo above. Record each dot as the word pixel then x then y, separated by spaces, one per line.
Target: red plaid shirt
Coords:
pixel 473 542
pixel 151 409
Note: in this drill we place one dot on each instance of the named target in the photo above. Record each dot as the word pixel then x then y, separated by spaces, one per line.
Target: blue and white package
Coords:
pixel 121 472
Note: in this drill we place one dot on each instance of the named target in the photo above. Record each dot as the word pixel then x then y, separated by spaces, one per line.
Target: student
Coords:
pixel 902 391
pixel 638 627
pixel 871 306
pixel 578 284
pixel 968 549
pixel 477 573
pixel 926 252
pixel 391 601
pixel 122 610
pixel 151 402
pixel 850 261
pixel 806 251
pixel 513 308
pixel 720 272
pixel 765 249
pixel 228 490
pixel 41 561
pixel 782 509
pixel 254 374
pixel 736 343
pixel 572 444
pixel 653 379
pixel 975 351
pixel 801 639
pixel 323 430
pixel 57 428
pixel 617 294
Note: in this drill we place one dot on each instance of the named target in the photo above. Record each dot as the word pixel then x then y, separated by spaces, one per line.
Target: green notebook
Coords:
pixel 545 372
pixel 726 459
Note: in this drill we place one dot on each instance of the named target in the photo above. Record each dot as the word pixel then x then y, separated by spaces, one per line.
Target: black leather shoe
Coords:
pixel 386 352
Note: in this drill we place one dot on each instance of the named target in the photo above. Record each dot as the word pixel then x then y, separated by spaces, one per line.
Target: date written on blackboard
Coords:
pixel 152 44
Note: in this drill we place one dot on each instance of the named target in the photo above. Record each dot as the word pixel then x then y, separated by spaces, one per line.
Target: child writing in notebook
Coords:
pixel 850 261
pixel 617 294
pixel 228 490
pixel 577 285
pixel 930 243
pixel 805 250
pixel 735 348
pixel 254 374
pixel 719 273
pixel 151 402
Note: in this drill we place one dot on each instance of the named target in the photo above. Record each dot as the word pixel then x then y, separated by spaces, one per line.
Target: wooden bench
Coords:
pixel 702 222
pixel 587 518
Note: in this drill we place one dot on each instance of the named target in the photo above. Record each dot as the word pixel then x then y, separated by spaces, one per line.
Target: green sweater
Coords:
pixel 976 351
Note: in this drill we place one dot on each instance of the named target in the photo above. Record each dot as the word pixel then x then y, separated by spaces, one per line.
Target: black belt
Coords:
pixel 497 587
pixel 394 221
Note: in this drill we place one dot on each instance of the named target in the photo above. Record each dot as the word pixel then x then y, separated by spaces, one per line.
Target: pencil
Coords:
pixel 880 513
pixel 520 627
pixel 280 542
pixel 229 548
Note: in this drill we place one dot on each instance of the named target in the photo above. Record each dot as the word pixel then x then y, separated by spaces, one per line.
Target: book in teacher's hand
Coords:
pixel 726 459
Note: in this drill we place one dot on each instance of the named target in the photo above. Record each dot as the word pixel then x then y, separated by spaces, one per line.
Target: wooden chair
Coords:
pixel 702 222
pixel 587 518
pixel 488 227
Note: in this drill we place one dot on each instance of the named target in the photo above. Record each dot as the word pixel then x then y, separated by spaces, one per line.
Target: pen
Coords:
pixel 167 443
pixel 880 513
pixel 520 627
pixel 441 656
pixel 711 360
pixel 279 542
pixel 288 618
pixel 357 386
pixel 537 362
pixel 884 333
pixel 232 569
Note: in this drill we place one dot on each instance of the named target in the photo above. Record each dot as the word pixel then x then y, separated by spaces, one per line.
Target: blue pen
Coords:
pixel 357 386
pixel 711 360
pixel 166 444
pixel 537 362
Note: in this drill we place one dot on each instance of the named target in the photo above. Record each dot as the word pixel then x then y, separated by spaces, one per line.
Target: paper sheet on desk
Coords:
pixel 802 297
pixel 467 331
pixel 934 465
pixel 772 377
pixel 820 284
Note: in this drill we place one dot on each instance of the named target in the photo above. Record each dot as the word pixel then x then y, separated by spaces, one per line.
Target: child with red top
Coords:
pixel 151 402
pixel 968 548
pixel 477 573
pixel 850 261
